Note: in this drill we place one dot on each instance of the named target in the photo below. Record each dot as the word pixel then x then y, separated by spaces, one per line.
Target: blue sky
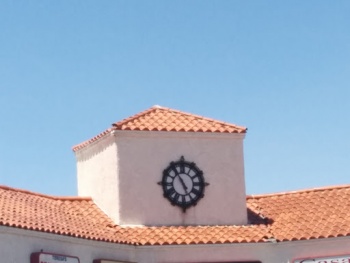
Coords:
pixel 68 69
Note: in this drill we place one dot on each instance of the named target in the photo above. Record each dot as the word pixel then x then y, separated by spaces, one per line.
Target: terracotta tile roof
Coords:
pixel 81 218
pixel 97 137
pixel 77 217
pixel 164 119
pixel 309 214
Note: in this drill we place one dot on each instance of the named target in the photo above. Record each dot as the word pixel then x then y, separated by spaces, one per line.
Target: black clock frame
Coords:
pixel 172 195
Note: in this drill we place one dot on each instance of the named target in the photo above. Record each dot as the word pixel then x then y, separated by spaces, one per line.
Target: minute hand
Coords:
pixel 183 184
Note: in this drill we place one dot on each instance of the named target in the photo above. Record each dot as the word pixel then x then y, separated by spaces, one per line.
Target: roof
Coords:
pixel 300 215
pixel 159 118
pixel 307 214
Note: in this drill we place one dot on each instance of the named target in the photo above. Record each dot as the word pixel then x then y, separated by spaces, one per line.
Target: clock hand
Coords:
pixel 183 184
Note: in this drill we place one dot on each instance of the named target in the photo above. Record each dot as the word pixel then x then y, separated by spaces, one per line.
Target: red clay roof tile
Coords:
pixel 164 119
pixel 308 214
pixel 300 215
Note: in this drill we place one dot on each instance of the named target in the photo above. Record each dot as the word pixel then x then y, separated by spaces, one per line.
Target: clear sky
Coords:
pixel 68 69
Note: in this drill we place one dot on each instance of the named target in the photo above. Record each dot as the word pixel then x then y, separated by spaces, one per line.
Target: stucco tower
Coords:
pixel 166 167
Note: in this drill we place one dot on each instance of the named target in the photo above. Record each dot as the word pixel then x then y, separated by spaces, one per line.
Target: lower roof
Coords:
pixel 298 215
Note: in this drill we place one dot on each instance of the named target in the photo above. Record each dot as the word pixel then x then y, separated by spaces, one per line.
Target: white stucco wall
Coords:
pixel 16 246
pixel 144 155
pixel 121 171
pixel 97 174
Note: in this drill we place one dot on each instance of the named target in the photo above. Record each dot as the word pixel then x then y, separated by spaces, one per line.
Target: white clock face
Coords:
pixel 183 183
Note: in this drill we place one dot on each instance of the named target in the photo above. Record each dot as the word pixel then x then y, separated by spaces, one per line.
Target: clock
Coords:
pixel 183 183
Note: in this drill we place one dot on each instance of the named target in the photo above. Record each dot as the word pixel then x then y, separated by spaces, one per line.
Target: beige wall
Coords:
pixel 97 174
pixel 144 156
pixel 122 176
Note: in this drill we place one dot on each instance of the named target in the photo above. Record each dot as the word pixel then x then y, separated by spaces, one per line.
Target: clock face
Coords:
pixel 183 183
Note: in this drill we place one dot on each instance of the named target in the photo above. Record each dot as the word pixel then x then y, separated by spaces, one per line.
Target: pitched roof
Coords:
pixel 158 118
pixel 308 214
pixel 75 216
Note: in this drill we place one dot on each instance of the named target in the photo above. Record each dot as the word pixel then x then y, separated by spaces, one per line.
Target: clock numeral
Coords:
pixel 176 197
pixel 195 191
pixel 169 192
pixel 175 171
pixel 182 168
pixel 181 199
pixel 169 183
pixel 195 175
pixel 168 173
pixel 189 197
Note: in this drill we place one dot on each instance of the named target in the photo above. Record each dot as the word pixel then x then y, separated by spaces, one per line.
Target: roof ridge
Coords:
pixel 127 124
pixel 137 115
pixel 206 118
pixel 93 139
pixel 316 189
pixel 62 198
pixel 157 107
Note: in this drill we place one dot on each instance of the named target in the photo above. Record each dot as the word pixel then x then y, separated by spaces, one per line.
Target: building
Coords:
pixel 168 186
